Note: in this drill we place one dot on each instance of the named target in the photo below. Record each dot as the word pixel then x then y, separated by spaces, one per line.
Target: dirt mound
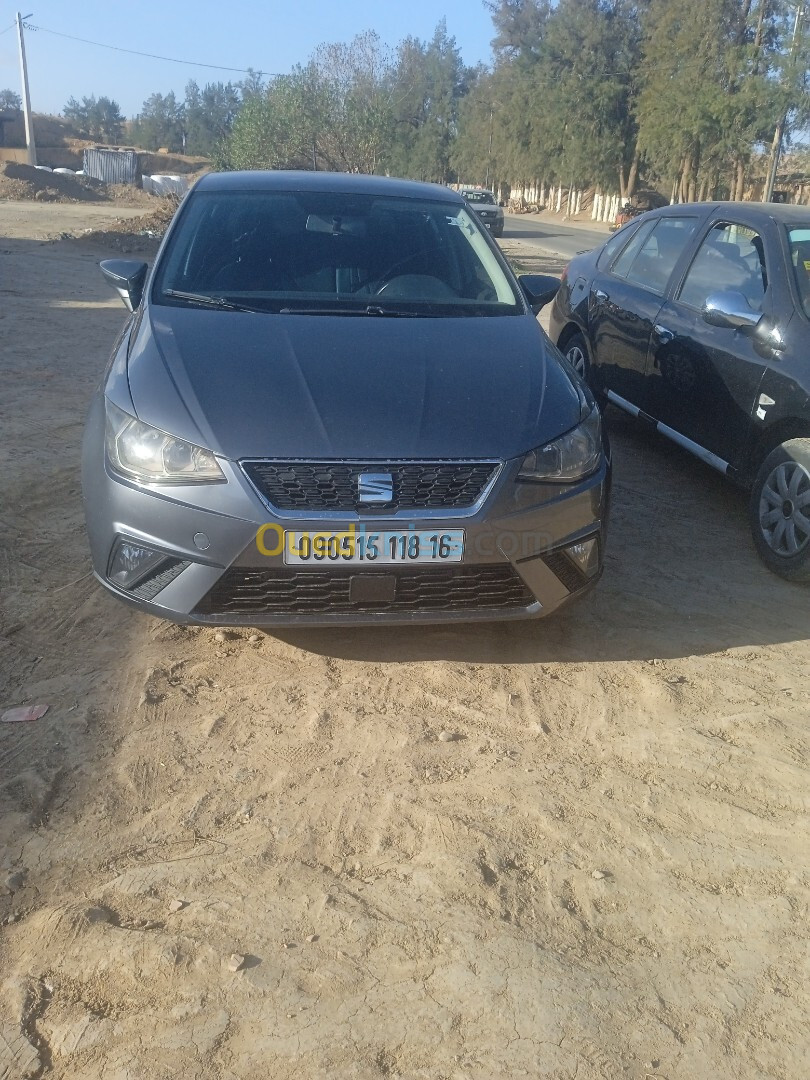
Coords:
pixel 138 234
pixel 21 182
pixel 25 182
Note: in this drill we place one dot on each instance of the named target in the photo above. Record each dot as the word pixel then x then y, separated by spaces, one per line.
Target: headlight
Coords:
pixel 568 459
pixel 143 453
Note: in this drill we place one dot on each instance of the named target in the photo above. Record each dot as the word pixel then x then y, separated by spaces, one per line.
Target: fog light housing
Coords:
pixel 131 562
pixel 140 570
pixel 584 554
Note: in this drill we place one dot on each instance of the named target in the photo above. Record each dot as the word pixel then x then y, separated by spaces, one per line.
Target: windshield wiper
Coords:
pixel 371 309
pixel 209 301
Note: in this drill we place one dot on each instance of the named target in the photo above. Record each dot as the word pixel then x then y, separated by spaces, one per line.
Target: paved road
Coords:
pixel 549 236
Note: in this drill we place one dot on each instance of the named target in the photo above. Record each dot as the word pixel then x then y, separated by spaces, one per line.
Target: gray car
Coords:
pixel 332 403
pixel 488 209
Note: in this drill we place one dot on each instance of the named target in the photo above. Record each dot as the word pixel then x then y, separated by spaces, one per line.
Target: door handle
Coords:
pixel 601 297
pixel 664 335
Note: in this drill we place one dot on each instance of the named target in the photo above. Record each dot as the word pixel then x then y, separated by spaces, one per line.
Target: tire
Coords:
pixel 779 510
pixel 576 353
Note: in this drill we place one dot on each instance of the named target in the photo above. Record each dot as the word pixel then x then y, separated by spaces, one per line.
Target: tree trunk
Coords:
pixel 683 190
pixel 622 184
pixel 632 179
pixel 739 180
pixel 694 169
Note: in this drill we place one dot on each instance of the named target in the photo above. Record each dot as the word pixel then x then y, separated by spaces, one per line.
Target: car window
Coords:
pixel 295 249
pixel 615 245
pixel 731 257
pixel 625 260
pixel 650 258
pixel 479 196
pixel 799 241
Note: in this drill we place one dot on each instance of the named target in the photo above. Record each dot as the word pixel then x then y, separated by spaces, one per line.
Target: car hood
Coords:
pixel 271 385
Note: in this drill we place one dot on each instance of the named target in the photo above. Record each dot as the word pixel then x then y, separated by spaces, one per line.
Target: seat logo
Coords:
pixel 375 487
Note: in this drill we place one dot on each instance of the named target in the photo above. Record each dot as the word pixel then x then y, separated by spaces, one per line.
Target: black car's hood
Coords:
pixel 255 385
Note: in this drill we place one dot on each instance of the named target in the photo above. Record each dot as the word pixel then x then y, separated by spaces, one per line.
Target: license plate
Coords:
pixel 368 548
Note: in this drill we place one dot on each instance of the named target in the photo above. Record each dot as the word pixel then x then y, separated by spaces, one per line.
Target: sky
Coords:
pixel 271 36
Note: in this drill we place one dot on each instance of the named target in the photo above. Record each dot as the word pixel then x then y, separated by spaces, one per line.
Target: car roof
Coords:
pixel 759 213
pixel 349 183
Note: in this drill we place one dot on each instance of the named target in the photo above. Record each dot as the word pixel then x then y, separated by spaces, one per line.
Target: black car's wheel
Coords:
pixel 779 510
pixel 576 353
pixel 496 232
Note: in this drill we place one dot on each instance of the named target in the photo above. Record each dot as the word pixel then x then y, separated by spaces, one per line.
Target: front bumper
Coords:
pixel 514 563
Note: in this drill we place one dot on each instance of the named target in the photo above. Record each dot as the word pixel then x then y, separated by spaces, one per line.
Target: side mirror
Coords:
pixel 501 203
pixel 127 277
pixel 539 289
pixel 730 310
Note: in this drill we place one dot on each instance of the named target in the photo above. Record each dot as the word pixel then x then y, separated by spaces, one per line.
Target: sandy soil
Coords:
pixel 573 848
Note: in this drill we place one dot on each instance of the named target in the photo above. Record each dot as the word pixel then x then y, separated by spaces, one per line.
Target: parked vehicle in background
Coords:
pixel 333 403
pixel 486 207
pixel 625 214
pixel 639 203
pixel 696 319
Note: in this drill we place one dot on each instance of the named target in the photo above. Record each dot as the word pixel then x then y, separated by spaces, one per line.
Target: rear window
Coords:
pixel 615 244
pixel 323 251
pixel 799 242
pixel 651 256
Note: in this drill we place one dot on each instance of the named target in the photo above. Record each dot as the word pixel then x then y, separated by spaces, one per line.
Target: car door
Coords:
pixel 625 299
pixel 703 380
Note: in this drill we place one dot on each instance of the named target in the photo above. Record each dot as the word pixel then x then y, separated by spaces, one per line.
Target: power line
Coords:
pixel 10 27
pixel 151 56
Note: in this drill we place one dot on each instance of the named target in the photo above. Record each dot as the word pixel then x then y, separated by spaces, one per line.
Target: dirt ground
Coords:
pixel 576 848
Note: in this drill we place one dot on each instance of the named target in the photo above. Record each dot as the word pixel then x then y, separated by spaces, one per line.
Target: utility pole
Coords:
pixel 779 134
pixel 26 97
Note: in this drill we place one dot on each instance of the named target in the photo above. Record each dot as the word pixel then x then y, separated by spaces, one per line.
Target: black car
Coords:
pixel 332 403
pixel 484 204
pixel 696 319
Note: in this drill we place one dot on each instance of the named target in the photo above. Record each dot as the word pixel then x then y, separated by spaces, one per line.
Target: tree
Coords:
pixel 208 115
pixel 274 131
pixel 428 84
pixel 97 118
pixel 10 101
pixel 558 104
pixel 160 123
pixel 332 113
pixel 708 90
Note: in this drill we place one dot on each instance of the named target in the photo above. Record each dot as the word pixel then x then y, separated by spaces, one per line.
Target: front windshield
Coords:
pixel 479 196
pixel 799 240
pixel 332 252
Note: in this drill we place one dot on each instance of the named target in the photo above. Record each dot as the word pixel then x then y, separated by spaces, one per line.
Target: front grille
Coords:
pixel 242 591
pixel 305 486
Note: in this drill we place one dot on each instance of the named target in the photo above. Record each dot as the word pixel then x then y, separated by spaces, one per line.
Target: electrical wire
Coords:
pixel 151 56
pixel 11 27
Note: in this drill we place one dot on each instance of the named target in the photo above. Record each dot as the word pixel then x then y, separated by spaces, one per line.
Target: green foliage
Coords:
pixel 712 87
pixel 429 82
pixel 208 115
pixel 334 113
pixel 97 118
pixel 160 124
pixel 580 92
pixel 10 101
